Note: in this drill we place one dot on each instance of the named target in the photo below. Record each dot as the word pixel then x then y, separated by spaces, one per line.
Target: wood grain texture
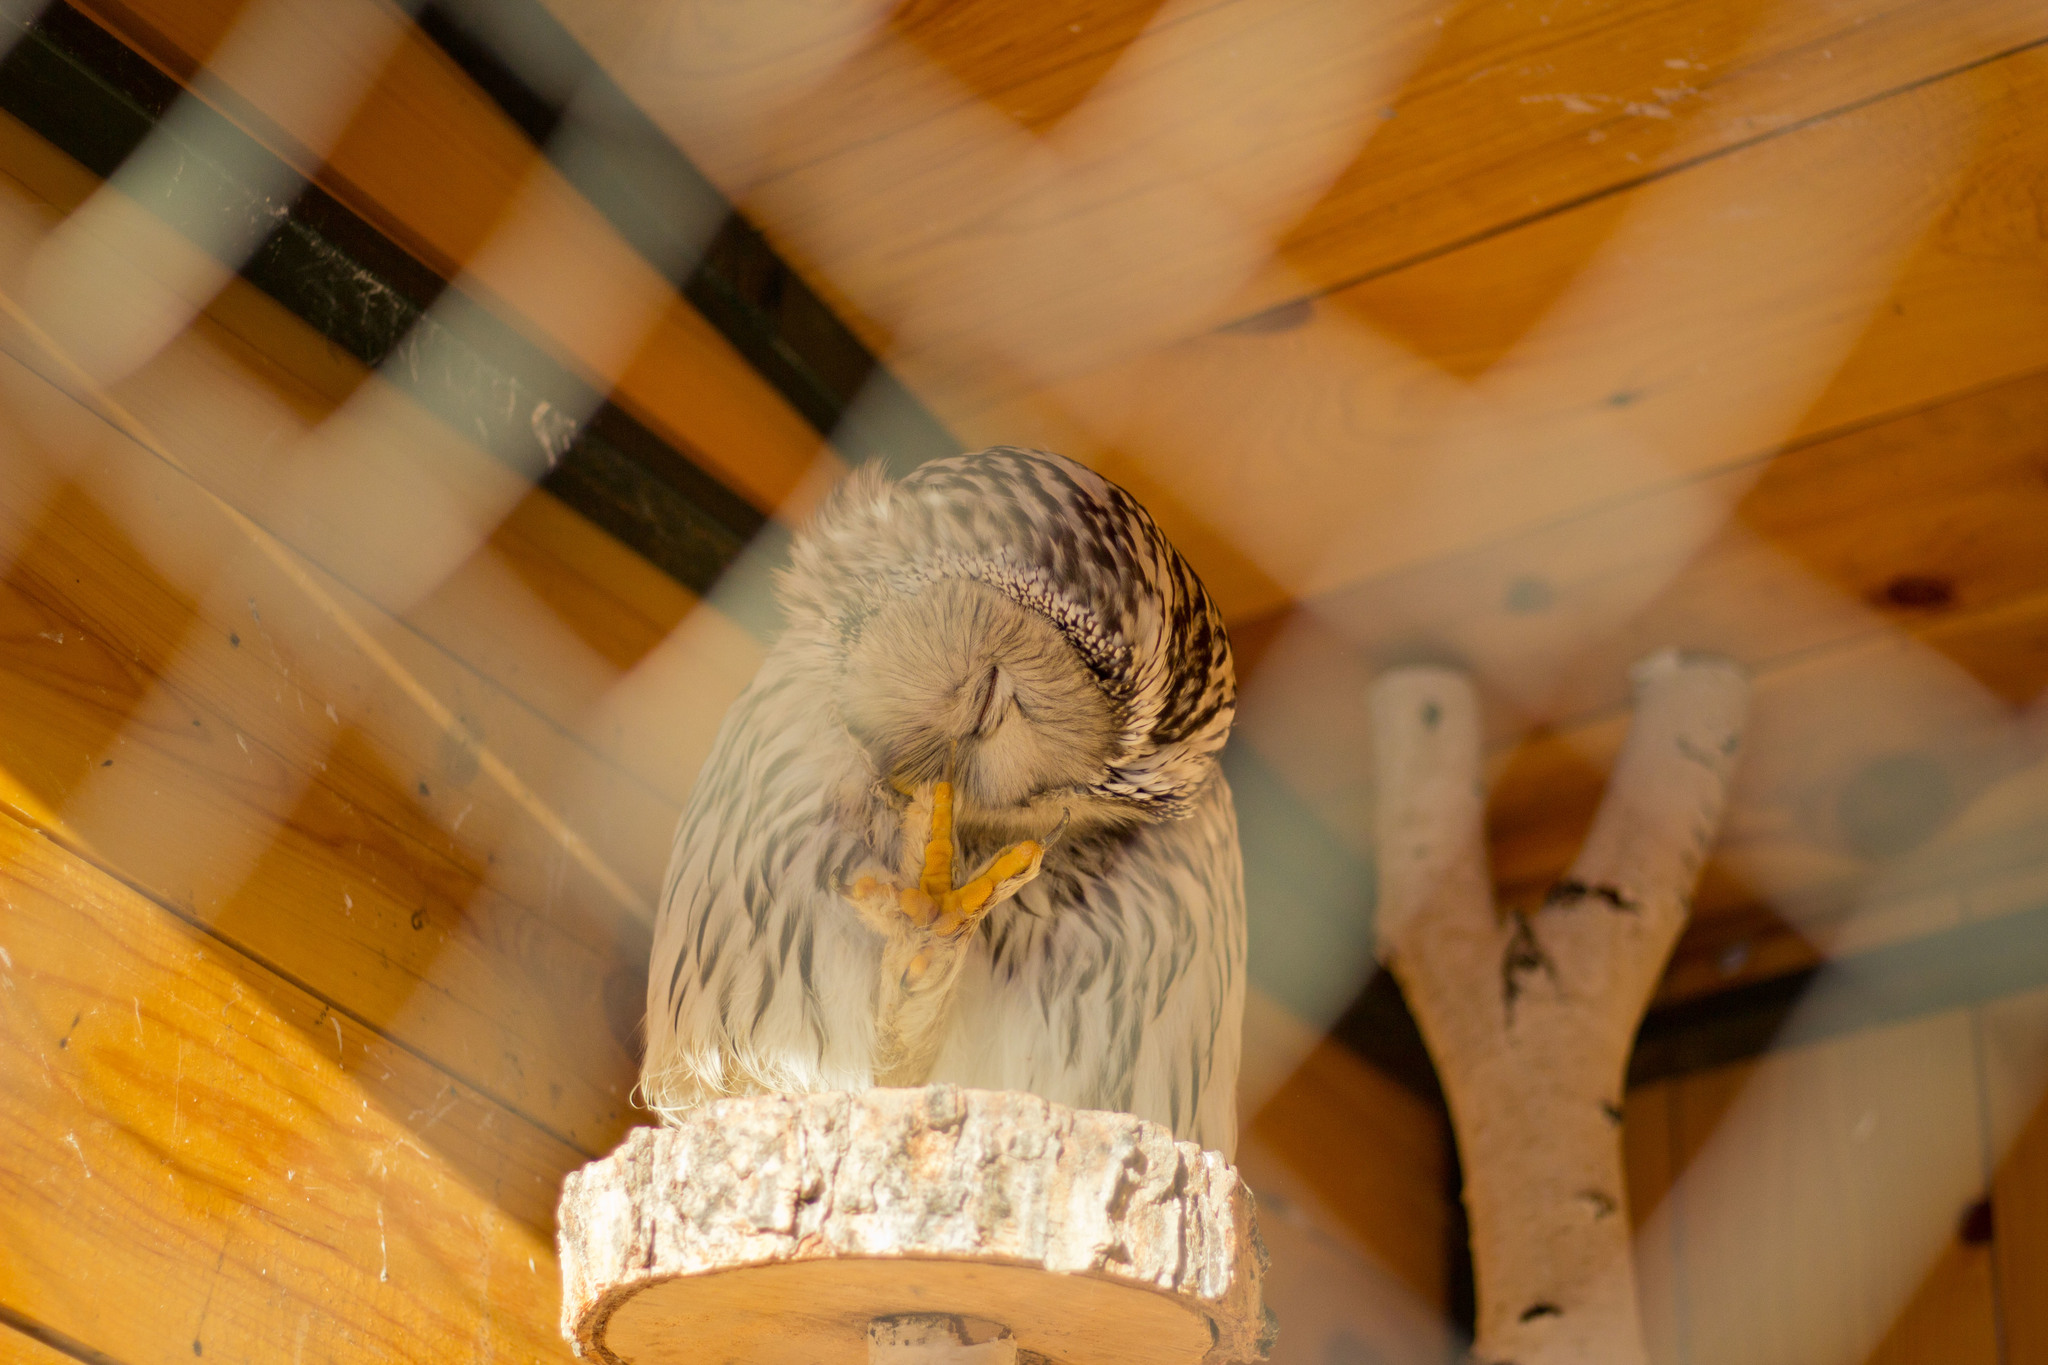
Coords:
pixel 429 161
pixel 556 613
pixel 992 192
pixel 1814 1203
pixel 1884 583
pixel 776 1227
pixel 1360 1159
pixel 19 1349
pixel 1647 1144
pixel 1799 550
pixel 1884 794
pixel 2015 1034
pixel 1769 324
pixel 1334 1301
pixel 188 715
pixel 203 1160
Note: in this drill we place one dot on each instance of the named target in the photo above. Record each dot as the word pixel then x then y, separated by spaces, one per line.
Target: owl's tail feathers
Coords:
pixel 677 1079
pixel 670 1089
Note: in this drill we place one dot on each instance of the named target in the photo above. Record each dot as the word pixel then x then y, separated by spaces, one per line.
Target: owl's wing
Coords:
pixel 1118 983
pixel 761 977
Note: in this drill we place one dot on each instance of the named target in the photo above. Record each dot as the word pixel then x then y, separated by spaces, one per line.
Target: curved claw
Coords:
pixel 1066 818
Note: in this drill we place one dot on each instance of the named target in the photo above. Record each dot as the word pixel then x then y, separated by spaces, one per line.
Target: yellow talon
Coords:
pixel 961 905
pixel 938 851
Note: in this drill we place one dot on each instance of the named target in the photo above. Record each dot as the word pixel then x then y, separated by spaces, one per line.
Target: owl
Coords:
pixel 967 823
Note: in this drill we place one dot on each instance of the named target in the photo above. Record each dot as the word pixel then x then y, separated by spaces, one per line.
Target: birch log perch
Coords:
pixel 1530 1016
pixel 938 1226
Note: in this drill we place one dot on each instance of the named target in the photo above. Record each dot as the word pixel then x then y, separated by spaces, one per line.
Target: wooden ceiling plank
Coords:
pixel 431 163
pixel 897 194
pixel 2015 1062
pixel 1902 523
pixel 549 608
pixel 256 769
pixel 1647 1114
pixel 249 381
pixel 1878 263
pixel 1878 1132
pixel 18 1348
pixel 1395 1208
pixel 1884 794
pixel 208 1162
pixel 1810 567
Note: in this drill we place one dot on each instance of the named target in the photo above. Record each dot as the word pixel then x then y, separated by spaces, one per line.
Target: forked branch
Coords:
pixel 1530 1014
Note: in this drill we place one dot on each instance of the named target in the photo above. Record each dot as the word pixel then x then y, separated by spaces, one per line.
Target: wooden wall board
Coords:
pixel 1893 786
pixel 203 1160
pixel 1812 1199
pixel 2015 1035
pixel 249 381
pixel 1362 1158
pixel 18 1348
pixel 1931 281
pixel 908 168
pixel 190 716
pixel 1648 1147
pixel 1335 1304
pixel 1899 525
pixel 1819 539
pixel 545 605
pixel 430 162
pixel 1872 804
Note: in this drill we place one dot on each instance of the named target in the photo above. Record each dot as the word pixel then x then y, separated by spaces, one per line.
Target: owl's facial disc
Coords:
pixel 959 677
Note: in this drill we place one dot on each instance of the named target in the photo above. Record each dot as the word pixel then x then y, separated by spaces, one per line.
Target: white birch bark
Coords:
pixel 1530 1016
pixel 844 1229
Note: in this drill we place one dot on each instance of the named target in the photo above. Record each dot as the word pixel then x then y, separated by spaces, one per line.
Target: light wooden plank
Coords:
pixel 548 607
pixel 190 713
pixel 1883 793
pixel 1387 1196
pixel 1354 1205
pixel 1647 1151
pixel 1848 287
pixel 205 1161
pixel 551 609
pixel 431 162
pixel 1951 1316
pixel 2016 1071
pixel 17 1348
pixel 994 191
pixel 1948 498
pixel 1818 1203
pixel 1335 1304
pixel 1886 792
pixel 1939 506
pixel 1893 765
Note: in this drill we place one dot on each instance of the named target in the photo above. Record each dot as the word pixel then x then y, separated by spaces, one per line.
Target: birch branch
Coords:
pixel 1530 1015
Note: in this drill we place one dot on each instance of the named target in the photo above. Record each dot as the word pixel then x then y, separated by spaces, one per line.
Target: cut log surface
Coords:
pixel 776 1228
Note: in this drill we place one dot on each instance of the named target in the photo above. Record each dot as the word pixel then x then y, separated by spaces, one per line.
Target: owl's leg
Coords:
pixel 925 928
pixel 933 905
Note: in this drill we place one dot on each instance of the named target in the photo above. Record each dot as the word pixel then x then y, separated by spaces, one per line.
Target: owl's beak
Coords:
pixel 990 700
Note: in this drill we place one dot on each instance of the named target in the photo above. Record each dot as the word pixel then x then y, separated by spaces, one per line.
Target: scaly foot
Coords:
pixel 933 911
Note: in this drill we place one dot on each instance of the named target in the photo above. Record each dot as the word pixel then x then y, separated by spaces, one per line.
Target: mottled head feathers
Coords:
pixel 1062 541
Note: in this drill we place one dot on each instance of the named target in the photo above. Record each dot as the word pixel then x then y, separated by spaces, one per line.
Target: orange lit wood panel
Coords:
pixel 998 197
pixel 1856 268
pixel 206 1161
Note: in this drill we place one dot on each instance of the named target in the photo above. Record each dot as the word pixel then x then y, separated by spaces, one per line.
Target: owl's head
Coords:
pixel 1016 620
